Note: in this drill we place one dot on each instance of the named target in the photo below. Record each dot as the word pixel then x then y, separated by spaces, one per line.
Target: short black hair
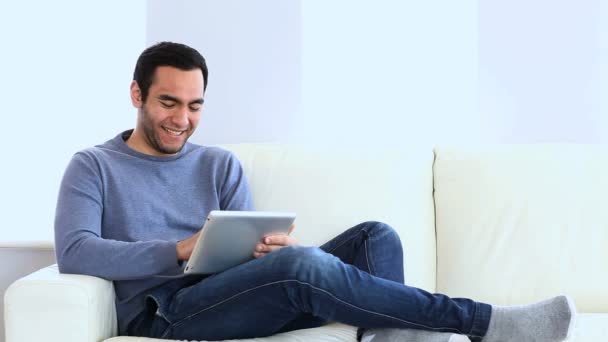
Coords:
pixel 176 55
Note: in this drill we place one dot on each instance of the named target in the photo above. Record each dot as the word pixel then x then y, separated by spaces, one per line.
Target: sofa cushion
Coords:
pixel 519 223
pixel 334 332
pixel 588 328
pixel 334 189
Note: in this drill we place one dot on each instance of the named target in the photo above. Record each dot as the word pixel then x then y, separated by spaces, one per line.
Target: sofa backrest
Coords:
pixel 520 223
pixel 332 190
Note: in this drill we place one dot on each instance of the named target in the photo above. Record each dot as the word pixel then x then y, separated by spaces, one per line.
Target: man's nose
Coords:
pixel 180 118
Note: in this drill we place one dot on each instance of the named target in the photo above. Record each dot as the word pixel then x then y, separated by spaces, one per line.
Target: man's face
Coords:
pixel 171 111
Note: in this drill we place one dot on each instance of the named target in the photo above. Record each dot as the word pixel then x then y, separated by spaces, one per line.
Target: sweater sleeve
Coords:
pixel 234 193
pixel 79 245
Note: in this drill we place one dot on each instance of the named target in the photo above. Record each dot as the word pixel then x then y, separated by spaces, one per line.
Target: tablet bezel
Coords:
pixel 222 226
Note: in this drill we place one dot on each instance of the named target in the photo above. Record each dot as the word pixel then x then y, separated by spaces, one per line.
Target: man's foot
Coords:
pixel 547 321
pixel 410 335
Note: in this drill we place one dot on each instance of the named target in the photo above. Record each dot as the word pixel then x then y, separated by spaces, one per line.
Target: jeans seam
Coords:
pixel 343 242
pixel 181 321
pixel 166 332
pixel 362 230
pixel 369 267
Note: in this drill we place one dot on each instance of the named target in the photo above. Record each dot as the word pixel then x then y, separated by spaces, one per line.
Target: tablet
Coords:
pixel 228 238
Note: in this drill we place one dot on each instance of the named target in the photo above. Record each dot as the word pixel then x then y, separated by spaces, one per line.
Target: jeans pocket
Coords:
pixel 156 323
pixel 155 306
pixel 149 323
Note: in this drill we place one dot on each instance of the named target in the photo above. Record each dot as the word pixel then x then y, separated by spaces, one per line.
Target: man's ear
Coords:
pixel 136 95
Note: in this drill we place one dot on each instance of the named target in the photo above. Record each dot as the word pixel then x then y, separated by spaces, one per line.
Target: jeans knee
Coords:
pixel 295 254
pixel 299 260
pixel 380 229
pixel 383 232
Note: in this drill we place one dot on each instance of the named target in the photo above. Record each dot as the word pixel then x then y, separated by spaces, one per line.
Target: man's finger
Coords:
pixel 276 240
pixel 262 248
pixel 272 248
pixel 258 254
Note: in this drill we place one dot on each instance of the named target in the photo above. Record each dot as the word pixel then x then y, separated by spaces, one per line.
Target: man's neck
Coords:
pixel 136 142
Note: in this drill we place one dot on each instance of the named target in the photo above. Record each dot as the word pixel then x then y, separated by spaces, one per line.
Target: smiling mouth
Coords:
pixel 173 132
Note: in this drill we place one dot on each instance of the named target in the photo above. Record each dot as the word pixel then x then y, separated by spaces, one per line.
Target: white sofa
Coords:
pixel 501 224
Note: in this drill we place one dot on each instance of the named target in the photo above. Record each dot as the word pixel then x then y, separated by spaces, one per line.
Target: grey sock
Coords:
pixel 547 321
pixel 410 335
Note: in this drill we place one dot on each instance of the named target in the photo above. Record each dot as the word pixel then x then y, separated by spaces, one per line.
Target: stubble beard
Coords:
pixel 151 135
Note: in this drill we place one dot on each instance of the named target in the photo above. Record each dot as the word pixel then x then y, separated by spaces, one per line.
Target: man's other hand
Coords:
pixel 185 247
pixel 271 243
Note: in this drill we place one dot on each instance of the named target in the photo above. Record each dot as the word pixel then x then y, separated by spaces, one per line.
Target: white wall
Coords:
pixel 345 72
pixel 65 71
pixel 253 51
pixel 397 72
pixel 66 68
pixel 544 70
pixel 389 72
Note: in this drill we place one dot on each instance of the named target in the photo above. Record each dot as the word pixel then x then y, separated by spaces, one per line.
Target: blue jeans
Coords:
pixel 356 278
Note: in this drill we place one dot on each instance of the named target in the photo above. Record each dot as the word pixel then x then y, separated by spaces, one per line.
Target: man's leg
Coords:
pixel 376 248
pixel 373 247
pixel 260 297
pixel 370 245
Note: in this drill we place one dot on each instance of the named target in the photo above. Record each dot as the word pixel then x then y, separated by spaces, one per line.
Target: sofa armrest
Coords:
pixel 54 307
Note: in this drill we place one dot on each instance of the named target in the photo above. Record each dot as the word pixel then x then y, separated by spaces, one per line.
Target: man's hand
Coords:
pixel 271 243
pixel 185 247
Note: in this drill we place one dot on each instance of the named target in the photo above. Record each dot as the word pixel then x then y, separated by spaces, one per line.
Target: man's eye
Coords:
pixel 195 109
pixel 167 105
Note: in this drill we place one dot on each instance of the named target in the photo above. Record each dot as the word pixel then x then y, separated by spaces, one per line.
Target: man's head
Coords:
pixel 167 89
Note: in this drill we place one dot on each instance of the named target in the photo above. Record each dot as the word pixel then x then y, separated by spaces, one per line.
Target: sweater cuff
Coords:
pixel 168 263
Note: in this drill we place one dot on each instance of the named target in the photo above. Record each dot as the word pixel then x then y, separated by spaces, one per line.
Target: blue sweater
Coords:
pixel 120 213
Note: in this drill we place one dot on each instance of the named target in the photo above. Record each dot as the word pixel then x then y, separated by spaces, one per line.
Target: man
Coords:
pixel 129 210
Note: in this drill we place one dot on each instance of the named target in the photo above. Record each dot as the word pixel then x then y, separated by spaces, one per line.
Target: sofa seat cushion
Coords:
pixel 334 332
pixel 590 327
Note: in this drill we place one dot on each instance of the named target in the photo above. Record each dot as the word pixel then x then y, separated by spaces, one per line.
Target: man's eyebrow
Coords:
pixel 168 98
pixel 165 97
